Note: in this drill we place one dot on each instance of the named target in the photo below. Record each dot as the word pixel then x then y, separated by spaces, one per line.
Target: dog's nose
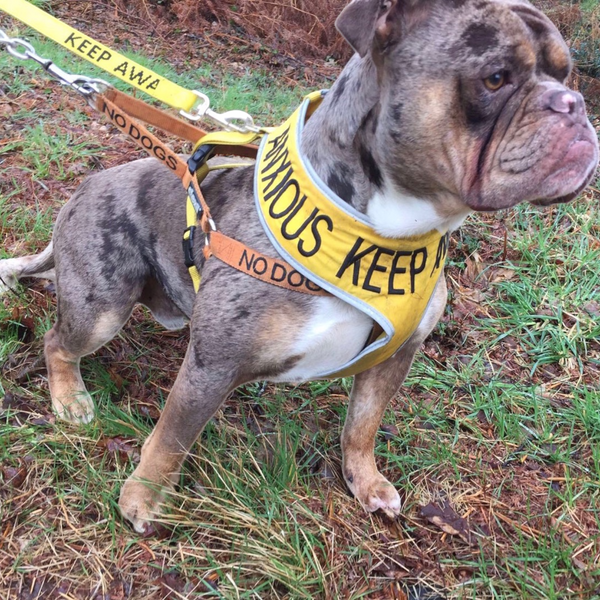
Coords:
pixel 563 101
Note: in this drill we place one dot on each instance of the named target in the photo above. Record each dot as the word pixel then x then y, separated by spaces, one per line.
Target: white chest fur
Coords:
pixel 335 334
pixel 398 215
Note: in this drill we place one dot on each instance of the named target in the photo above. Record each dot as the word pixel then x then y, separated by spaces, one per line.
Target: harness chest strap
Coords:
pixel 229 251
pixel 258 265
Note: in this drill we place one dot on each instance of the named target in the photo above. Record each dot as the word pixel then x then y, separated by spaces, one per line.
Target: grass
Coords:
pixel 500 415
pixel 580 23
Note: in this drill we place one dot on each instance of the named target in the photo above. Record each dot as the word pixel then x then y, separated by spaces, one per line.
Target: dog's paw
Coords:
pixel 141 502
pixel 8 277
pixel 77 409
pixel 375 493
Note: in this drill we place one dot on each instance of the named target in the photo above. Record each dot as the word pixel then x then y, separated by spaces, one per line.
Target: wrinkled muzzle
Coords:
pixel 547 154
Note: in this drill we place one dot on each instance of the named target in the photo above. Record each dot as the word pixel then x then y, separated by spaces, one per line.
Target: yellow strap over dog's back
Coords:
pixel 323 237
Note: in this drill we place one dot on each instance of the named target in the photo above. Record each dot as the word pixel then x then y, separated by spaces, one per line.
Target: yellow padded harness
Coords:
pixel 327 240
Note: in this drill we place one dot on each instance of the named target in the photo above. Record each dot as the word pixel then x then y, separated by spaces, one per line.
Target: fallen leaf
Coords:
pixel 421 423
pixel 394 591
pixel 211 581
pixel 116 378
pixel 14 476
pixel 592 308
pixel 391 569
pixel 474 267
pixel 25 326
pixel 483 419
pixel 6 110
pixel 22 410
pixel 463 573
pixel 389 431
pixel 121 448
pixel 503 274
pixel 171 581
pixel 118 590
pixel 446 518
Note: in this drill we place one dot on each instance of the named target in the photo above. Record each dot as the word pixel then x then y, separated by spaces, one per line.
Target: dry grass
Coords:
pixel 302 28
pixel 305 28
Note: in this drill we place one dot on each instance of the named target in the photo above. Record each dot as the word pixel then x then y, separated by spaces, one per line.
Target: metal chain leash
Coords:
pixel 233 120
pixel 23 50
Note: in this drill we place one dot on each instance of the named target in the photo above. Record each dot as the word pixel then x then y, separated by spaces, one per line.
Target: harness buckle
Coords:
pixel 199 157
pixel 211 227
pixel 188 246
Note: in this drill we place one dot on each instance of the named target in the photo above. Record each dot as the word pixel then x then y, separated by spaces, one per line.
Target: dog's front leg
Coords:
pixel 196 396
pixel 371 392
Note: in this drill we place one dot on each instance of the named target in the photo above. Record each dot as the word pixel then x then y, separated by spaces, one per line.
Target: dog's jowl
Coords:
pixel 447 107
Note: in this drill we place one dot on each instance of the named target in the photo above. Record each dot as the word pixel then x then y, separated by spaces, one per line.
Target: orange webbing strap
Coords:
pixel 265 268
pixel 153 146
pixel 154 116
pixel 138 109
pixel 228 250
pixel 138 133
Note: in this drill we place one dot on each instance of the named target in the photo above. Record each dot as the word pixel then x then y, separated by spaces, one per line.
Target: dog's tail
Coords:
pixel 36 265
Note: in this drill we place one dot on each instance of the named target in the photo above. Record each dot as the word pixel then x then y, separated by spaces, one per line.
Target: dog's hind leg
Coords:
pixel 94 300
pixel 372 391
pixel 37 265
pixel 70 338
pixel 63 348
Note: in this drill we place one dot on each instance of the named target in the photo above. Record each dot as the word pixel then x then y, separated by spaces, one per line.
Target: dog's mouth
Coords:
pixel 561 199
pixel 572 178
pixel 551 164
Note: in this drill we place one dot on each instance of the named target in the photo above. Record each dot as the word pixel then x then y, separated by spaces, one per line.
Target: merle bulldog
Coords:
pixel 447 107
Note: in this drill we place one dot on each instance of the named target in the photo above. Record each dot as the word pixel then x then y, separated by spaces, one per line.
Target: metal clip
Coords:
pixel 81 83
pixel 87 86
pixel 213 227
pixel 226 119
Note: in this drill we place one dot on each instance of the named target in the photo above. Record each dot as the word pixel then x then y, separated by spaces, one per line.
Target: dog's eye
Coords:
pixel 496 81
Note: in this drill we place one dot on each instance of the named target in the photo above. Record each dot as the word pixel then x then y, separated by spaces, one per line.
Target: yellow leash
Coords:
pixel 128 115
pixel 106 58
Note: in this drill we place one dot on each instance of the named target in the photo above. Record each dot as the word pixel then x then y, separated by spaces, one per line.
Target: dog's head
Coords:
pixel 473 101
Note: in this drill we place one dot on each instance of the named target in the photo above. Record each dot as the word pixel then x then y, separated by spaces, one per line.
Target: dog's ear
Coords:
pixel 362 20
pixel 554 56
pixel 379 23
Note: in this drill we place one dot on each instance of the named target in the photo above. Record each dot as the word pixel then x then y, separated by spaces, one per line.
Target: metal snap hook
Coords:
pixel 198 111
